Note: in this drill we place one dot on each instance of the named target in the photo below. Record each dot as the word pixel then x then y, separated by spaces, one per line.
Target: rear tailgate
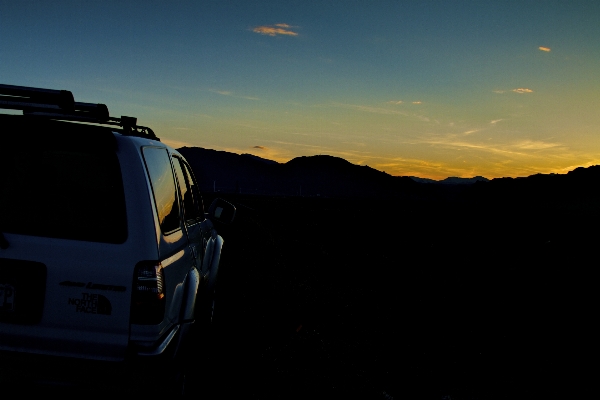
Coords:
pixel 65 298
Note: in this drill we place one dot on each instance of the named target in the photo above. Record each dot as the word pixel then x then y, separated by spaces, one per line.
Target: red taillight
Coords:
pixel 148 298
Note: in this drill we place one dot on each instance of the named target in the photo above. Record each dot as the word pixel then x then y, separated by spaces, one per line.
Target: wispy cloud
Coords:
pixel 570 168
pixel 375 110
pixel 231 94
pixel 416 167
pixel 495 121
pixel 518 148
pixel 354 156
pixel 176 144
pixel 380 110
pixel 535 145
pixel 397 102
pixel 457 144
pixel 270 153
pixel 542 48
pixel 275 30
pixel 517 90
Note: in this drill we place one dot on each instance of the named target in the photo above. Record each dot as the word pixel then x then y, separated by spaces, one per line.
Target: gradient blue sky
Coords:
pixel 425 88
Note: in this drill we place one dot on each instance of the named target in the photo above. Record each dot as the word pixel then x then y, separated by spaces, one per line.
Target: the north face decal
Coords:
pixel 91 303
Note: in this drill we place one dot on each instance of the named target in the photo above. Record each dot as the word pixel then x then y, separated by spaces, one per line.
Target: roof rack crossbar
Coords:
pixel 94 111
pixel 25 104
pixel 60 104
pixel 90 112
pixel 62 98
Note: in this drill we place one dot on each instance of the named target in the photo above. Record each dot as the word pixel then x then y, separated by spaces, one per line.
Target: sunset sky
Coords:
pixel 424 88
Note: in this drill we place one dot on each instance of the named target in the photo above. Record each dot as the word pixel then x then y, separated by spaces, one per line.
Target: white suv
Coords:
pixel 106 254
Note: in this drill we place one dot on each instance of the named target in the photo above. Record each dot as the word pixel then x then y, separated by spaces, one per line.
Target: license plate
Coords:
pixel 7 297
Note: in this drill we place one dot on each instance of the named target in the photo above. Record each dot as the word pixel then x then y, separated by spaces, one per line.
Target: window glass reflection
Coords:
pixel 163 188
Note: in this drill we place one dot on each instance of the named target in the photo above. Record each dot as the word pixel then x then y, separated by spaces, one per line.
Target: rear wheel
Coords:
pixel 177 386
pixel 167 380
pixel 165 375
pixel 206 311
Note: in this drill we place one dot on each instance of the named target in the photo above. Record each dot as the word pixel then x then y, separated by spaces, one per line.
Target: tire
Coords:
pixel 169 383
pixel 176 388
pixel 206 311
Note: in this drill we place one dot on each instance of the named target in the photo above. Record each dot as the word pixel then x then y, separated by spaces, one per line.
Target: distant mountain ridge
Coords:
pixel 578 190
pixel 321 175
pixel 451 180
pixel 328 176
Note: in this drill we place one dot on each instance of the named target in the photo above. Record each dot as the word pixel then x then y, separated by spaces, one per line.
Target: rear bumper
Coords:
pixel 25 371
pixel 166 345
pixel 32 372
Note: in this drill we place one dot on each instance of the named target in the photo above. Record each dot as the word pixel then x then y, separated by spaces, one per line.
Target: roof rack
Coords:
pixel 61 105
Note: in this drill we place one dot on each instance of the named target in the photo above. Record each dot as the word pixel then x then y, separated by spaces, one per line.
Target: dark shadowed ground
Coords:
pixel 380 299
pixel 374 299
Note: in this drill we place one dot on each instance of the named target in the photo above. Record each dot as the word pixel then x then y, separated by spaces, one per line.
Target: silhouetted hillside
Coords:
pixel 451 180
pixel 321 176
pixel 328 176
pixel 577 191
pixel 229 172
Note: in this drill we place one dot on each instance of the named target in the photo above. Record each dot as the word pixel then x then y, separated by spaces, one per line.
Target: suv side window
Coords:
pixel 192 203
pixel 163 188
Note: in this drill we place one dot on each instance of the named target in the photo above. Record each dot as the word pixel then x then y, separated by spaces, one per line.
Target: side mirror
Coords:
pixel 221 211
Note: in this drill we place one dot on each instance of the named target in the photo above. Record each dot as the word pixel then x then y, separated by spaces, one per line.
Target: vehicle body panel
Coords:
pixel 85 290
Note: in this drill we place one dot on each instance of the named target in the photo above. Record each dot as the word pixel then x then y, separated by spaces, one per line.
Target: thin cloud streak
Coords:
pixel 176 144
pixel 546 49
pixel 268 153
pixel 522 148
pixel 466 145
pixel 518 90
pixel 419 167
pixel 572 167
pixel 535 145
pixel 274 30
pixel 231 94
pixel 319 149
pixel 380 110
pixel 522 90
pixel 369 109
pixel 355 157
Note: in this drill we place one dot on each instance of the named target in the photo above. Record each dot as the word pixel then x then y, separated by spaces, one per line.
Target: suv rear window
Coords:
pixel 61 181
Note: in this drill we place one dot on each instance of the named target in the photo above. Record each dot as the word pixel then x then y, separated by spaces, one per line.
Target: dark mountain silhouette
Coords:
pixel 558 210
pixel 486 268
pixel 578 189
pixel 328 176
pixel 323 176
pixel 451 180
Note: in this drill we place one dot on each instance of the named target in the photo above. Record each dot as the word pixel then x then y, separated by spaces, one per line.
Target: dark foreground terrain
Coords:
pixel 400 299
pixel 406 300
